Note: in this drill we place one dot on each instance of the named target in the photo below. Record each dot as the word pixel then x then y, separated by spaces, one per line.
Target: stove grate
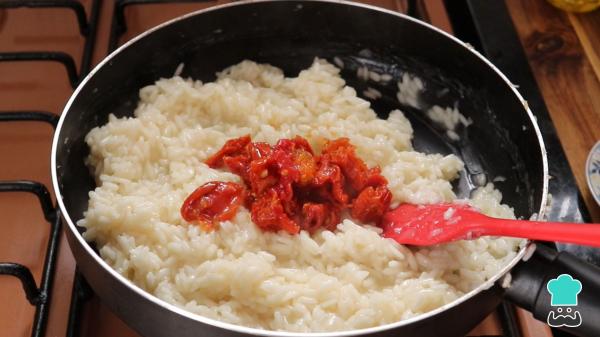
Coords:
pixel 39 296
pixel 87 28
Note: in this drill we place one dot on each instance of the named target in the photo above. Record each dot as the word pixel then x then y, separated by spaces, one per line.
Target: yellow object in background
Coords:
pixel 579 6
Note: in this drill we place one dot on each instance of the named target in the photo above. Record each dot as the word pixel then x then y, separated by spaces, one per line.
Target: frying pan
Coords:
pixel 503 141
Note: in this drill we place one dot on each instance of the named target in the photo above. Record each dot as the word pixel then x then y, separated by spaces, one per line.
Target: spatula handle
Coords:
pixel 577 233
pixel 529 288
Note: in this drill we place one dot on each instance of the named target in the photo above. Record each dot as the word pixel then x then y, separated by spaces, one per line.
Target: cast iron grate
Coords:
pixel 40 295
pixel 87 28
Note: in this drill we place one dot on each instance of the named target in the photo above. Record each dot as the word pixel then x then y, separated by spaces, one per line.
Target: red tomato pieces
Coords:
pixel 371 204
pixel 290 188
pixel 268 214
pixel 232 147
pixel 213 202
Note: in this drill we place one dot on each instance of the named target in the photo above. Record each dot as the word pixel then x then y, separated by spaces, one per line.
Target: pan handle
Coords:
pixel 552 276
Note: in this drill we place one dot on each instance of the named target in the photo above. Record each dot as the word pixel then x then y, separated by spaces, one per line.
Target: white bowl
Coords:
pixel 592 171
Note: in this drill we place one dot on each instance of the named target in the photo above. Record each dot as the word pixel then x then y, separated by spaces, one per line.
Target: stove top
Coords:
pixel 47 46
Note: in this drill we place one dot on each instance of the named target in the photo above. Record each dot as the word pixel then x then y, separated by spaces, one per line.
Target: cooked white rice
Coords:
pixel 409 90
pixel 448 117
pixel 352 278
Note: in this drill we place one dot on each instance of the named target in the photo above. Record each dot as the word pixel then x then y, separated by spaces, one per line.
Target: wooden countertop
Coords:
pixel 563 50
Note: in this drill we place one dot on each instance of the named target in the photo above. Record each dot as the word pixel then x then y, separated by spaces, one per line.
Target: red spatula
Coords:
pixel 424 225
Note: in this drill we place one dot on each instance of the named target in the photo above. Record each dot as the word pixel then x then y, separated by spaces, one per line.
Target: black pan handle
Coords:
pixel 529 289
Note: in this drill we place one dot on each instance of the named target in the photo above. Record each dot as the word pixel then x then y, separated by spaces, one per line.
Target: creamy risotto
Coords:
pixel 352 278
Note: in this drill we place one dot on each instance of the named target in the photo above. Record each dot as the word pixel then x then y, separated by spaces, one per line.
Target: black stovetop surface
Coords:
pixel 491 31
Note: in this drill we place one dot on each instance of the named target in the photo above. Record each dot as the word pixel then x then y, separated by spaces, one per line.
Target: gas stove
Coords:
pixel 48 46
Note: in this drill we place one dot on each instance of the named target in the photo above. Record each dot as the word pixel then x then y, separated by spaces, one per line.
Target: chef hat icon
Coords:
pixel 564 290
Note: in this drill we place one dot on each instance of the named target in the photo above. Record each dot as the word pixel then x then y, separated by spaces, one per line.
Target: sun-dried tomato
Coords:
pixel 303 144
pixel 340 152
pixel 232 147
pixel 213 202
pixel 371 204
pixel 306 165
pixel 374 177
pixel 331 181
pixel 315 216
pixel 291 189
pixel 267 213
pixel 238 164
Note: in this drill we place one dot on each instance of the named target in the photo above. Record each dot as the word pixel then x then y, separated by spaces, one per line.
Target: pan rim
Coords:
pixel 261 332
